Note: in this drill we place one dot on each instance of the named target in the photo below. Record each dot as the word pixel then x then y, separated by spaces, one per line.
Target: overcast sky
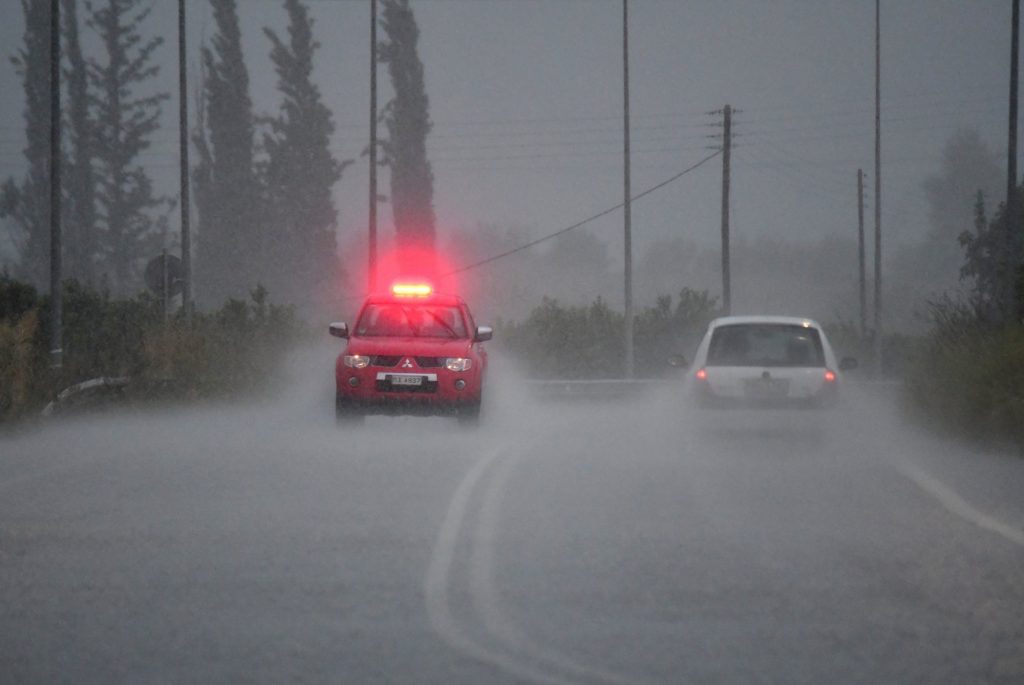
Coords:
pixel 526 96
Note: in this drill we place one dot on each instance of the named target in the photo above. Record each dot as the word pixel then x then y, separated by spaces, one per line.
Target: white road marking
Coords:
pixel 486 598
pixel 959 506
pixel 436 586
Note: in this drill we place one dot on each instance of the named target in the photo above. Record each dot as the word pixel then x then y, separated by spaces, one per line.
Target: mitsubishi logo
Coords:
pixel 406 363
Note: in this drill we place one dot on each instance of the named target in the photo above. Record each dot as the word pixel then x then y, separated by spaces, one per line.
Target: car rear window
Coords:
pixel 411 321
pixel 765 345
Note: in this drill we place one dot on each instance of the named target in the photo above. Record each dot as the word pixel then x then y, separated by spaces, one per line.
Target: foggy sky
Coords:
pixel 526 96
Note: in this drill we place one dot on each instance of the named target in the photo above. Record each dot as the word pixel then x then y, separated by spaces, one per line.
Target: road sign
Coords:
pixel 156 275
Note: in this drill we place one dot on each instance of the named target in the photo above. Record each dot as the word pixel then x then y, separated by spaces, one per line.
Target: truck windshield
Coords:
pixel 411 321
pixel 765 345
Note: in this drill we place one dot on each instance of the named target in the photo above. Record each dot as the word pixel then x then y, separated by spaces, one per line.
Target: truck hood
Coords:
pixel 417 347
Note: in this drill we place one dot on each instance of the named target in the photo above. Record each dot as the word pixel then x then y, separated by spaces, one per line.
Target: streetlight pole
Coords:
pixel 878 189
pixel 186 204
pixel 862 280
pixel 372 262
pixel 627 228
pixel 56 264
pixel 1011 152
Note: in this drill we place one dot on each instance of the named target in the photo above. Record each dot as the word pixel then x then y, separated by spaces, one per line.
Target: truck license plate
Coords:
pixel 406 380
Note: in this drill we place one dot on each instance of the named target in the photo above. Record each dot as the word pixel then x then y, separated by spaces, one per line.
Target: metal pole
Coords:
pixel 878 188
pixel 627 228
pixel 56 265
pixel 1011 159
pixel 186 206
pixel 862 280
pixel 372 263
pixel 1011 155
pixel 726 262
pixel 166 284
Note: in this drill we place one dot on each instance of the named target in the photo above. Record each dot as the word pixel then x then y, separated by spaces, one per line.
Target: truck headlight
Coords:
pixel 458 364
pixel 357 361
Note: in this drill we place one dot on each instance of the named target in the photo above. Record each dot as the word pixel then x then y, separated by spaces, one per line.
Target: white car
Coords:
pixel 766 361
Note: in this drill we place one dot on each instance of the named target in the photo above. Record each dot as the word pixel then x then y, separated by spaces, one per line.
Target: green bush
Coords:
pixel 571 342
pixel 236 350
pixel 969 377
pixel 898 349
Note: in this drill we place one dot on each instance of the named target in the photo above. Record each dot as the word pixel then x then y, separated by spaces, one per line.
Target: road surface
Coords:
pixel 561 543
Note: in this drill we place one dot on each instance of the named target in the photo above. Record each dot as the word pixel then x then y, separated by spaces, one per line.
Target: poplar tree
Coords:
pixel 125 121
pixel 301 171
pixel 27 203
pixel 228 197
pixel 407 117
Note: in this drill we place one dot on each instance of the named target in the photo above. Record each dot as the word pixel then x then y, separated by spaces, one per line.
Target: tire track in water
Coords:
pixel 509 647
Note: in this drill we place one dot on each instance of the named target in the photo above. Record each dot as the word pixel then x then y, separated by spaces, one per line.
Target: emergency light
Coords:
pixel 411 290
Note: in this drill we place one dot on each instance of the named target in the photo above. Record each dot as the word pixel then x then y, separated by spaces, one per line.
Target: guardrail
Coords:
pixel 86 392
pixel 617 388
pixel 595 388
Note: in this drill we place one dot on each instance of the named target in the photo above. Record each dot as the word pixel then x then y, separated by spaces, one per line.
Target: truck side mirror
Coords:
pixel 338 329
pixel 678 361
pixel 483 333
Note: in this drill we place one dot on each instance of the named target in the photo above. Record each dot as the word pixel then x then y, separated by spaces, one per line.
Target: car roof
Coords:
pixel 435 299
pixel 765 319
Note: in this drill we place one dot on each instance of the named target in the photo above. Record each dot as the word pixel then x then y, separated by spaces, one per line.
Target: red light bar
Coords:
pixel 411 290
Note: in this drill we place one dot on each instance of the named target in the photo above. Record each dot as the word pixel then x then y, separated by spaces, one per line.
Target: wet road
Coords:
pixel 560 543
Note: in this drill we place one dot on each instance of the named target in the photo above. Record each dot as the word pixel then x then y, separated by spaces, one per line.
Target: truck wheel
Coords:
pixel 469 414
pixel 346 413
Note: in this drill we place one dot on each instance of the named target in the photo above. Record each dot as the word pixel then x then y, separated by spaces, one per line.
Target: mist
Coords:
pixel 560 541
pixel 218 513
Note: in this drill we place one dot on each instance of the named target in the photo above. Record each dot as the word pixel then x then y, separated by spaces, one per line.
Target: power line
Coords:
pixel 589 219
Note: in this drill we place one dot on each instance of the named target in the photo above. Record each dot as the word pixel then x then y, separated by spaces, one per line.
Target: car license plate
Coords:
pixel 766 389
pixel 406 380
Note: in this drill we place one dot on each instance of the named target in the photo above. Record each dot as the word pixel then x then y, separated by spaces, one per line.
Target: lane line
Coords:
pixel 486 598
pixel 437 582
pixel 956 504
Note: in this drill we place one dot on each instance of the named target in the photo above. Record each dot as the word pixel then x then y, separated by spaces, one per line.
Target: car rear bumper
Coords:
pixel 707 399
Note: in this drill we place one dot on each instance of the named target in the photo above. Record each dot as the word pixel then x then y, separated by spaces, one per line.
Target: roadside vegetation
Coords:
pixel 571 342
pixel 233 351
pixel 969 376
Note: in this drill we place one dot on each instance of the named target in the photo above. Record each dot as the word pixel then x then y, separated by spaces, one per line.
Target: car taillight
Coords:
pixel 701 375
pixel 830 376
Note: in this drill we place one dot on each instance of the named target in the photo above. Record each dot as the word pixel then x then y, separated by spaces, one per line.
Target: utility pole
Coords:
pixel 56 265
pixel 372 261
pixel 1011 157
pixel 1011 152
pixel 726 154
pixel 878 188
pixel 627 228
pixel 860 255
pixel 165 285
pixel 186 204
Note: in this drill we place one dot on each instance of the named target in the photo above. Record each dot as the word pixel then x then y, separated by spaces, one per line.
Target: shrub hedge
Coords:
pixel 969 377
pixel 236 349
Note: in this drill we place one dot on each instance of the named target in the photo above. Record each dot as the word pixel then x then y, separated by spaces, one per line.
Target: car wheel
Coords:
pixel 346 413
